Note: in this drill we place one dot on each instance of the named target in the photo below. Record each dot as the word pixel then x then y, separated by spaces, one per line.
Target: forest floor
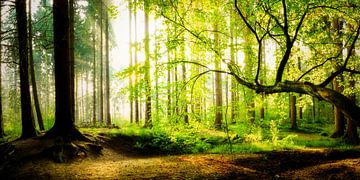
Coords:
pixel 119 161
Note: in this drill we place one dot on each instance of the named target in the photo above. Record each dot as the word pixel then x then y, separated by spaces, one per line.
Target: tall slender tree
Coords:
pixel 2 133
pixel 131 86
pixel 218 83
pixel 72 55
pixel 148 120
pixel 136 82
pixel 94 71
pixel 107 73
pixel 32 73
pixel 27 118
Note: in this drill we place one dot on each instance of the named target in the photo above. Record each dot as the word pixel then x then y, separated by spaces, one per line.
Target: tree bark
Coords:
pixel 28 125
pixel 218 84
pixel 107 73
pixel 131 97
pixel 101 102
pixel 64 124
pixel 2 133
pixel 148 120
pixel 72 56
pixel 32 74
pixel 136 92
pixel 94 74
pixel 293 111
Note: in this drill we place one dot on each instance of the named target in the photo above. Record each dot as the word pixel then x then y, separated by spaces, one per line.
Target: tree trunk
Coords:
pixel 293 111
pixel 249 72
pixel 136 92
pixel 107 73
pixel 148 121
pixel 101 102
pixel 94 75
pixel 339 118
pixel 131 97
pixel 351 135
pixel 64 124
pixel 2 133
pixel 28 125
pixel 72 56
pixel 218 84
pixel 32 74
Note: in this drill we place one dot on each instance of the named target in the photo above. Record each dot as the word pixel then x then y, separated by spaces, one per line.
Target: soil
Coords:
pixel 26 160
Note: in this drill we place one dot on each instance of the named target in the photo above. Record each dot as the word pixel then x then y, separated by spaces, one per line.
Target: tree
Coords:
pixel 107 73
pixel 339 119
pixel 32 73
pixel 289 35
pixel 28 125
pixel 72 55
pixel 287 24
pixel 2 133
pixel 64 123
pixel 131 96
pixel 293 111
pixel 218 83
pixel 148 121
pixel 94 72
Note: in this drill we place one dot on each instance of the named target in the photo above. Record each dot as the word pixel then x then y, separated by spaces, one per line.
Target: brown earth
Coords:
pixel 118 161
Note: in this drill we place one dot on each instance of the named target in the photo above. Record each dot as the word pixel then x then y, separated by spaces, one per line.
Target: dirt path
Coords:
pixel 118 162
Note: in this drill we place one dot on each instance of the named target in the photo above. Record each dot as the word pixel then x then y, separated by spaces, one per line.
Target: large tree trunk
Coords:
pixel 32 74
pixel 338 115
pixel 351 135
pixel 72 56
pixel 64 124
pixel 28 125
pixel 347 106
pixel 148 122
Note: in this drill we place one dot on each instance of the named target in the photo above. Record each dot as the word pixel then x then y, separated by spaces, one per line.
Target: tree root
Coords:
pixel 66 150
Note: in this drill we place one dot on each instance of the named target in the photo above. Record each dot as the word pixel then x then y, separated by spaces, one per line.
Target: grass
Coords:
pixel 200 138
pixel 184 139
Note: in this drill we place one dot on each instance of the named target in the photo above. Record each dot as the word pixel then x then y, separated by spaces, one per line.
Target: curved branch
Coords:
pixel 343 67
pixel 245 21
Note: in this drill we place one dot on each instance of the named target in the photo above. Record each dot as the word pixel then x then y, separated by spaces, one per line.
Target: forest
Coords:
pixel 179 89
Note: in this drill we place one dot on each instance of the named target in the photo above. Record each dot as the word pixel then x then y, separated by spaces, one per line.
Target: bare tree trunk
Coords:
pixel 28 125
pixel 293 111
pixel 101 102
pixel 338 115
pixel 64 123
pixel 218 84
pixel 131 97
pixel 32 74
pixel 2 133
pixel 72 55
pixel 136 92
pixel 148 119
pixel 107 73
pixel 94 75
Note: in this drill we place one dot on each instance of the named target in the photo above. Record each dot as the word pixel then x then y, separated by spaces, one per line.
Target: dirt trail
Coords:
pixel 118 162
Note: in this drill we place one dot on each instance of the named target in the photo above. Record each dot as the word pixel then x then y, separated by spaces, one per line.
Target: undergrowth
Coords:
pixel 196 138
